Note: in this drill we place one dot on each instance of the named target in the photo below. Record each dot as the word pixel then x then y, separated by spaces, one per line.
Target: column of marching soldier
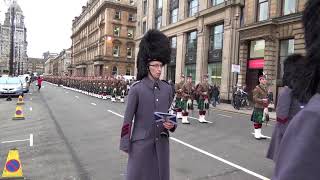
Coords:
pixel 104 88
pixel 117 88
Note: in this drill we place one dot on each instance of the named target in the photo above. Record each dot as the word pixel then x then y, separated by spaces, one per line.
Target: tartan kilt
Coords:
pixel 201 104
pixel 183 104
pixel 257 115
pixel 178 103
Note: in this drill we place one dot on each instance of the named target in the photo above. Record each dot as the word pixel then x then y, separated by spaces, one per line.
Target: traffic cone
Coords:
pixel 19 114
pixel 13 166
pixel 20 100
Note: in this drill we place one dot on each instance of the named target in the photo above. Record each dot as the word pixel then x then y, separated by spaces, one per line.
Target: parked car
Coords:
pixel 11 86
pixel 25 84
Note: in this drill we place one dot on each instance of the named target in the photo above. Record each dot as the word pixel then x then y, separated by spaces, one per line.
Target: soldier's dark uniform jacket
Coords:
pixel 148 149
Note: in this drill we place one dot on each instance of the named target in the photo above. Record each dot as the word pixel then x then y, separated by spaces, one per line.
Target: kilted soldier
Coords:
pixel 187 99
pixel 123 87
pixel 260 100
pixel 299 155
pixel 148 146
pixel 114 91
pixel 178 89
pixel 203 91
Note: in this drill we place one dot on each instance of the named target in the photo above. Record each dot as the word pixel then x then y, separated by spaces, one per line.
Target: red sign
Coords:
pixel 256 64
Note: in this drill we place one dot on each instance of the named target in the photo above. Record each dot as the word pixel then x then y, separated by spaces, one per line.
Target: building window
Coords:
pixel 216 2
pixel 145 7
pixel 130 33
pixel 114 70
pixel 193 6
pixel 257 49
pixel 131 18
pixel 159 4
pixel 288 7
pixel 190 69
pixel 192 46
pixel 173 44
pixel 116 50
pixel 215 43
pixel 214 72
pixel 116 31
pixel 144 27
pixel 128 72
pixel 217 32
pixel 129 52
pixel 117 15
pixel 174 16
pixel 158 22
pixel 286 48
pixel 263 10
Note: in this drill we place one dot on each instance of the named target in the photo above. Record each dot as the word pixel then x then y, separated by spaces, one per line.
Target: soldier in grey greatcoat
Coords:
pixel 145 140
pixel 299 156
pixel 287 106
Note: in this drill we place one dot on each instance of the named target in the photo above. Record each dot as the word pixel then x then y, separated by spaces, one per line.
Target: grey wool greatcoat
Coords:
pixel 148 150
pixel 287 108
pixel 299 152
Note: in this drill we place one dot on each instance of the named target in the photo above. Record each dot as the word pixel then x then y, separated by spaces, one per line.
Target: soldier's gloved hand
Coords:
pixel 168 125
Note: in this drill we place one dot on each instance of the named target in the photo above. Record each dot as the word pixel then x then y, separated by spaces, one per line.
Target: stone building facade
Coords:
pixel 35 65
pixel 20 40
pixel 103 39
pixel 203 35
pixel 271 30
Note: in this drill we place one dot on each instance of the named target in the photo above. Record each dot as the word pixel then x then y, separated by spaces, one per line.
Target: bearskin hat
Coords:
pixel 308 84
pixel 153 46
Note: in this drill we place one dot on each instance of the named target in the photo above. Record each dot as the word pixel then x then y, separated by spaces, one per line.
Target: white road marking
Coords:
pixel 30 108
pixel 224 115
pixel 67 92
pixel 265 136
pixel 211 155
pixel 198 119
pixel 77 97
pixel 94 104
pixel 115 113
pixel 220 159
pixel 22 140
pixel 31 140
pixel 30 99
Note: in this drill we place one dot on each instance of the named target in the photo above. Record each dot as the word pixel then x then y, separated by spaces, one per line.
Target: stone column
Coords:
pixel 180 59
pixel 226 61
pixel 165 13
pixel 200 59
pixel 243 57
pixel 270 62
pixel 182 9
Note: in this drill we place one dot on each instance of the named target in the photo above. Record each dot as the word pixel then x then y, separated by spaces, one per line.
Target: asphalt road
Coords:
pixel 77 137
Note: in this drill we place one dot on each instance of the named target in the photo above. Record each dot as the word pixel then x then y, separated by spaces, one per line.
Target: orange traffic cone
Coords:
pixel 19 114
pixel 20 100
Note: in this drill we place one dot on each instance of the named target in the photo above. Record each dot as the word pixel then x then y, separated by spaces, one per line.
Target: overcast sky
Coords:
pixel 48 23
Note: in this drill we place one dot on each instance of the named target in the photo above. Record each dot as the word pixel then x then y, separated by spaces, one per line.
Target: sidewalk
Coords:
pixel 229 108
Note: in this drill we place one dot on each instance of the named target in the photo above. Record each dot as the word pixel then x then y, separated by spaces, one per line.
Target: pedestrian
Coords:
pixel 148 144
pixel 298 156
pixel 260 99
pixel 39 82
pixel 287 105
pixel 215 95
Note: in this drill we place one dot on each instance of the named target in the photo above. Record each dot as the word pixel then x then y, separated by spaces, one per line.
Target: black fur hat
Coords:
pixel 308 84
pixel 292 69
pixel 153 46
